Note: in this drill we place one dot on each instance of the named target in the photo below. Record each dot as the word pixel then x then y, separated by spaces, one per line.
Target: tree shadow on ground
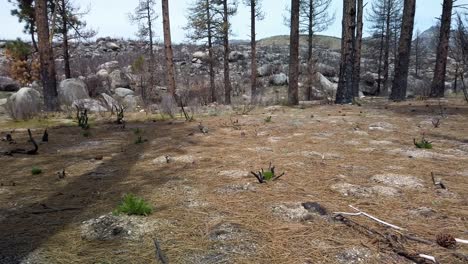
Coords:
pixel 24 231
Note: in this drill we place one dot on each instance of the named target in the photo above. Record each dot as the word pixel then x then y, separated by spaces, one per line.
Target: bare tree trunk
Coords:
pixel 400 81
pixel 46 56
pixel 387 45
pixel 151 52
pixel 344 94
pixel 66 54
pixel 210 52
pixel 227 80
pixel 310 61
pixel 438 82
pixel 253 45
pixel 33 38
pixel 293 95
pixel 357 55
pixel 417 43
pixel 168 48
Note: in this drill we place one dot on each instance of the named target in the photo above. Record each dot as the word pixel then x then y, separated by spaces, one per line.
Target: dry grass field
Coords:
pixel 208 208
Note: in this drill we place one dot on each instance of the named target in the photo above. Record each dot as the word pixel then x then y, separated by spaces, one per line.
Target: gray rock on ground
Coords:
pixel 24 104
pixel 71 90
pixel 7 84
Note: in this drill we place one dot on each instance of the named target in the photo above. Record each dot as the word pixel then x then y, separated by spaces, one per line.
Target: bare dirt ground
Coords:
pixel 208 209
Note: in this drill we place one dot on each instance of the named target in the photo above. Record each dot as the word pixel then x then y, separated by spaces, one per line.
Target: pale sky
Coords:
pixel 110 18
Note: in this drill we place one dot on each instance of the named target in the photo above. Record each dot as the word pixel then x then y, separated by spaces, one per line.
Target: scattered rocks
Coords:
pixel 347 189
pixel 381 126
pixel 354 255
pixel 397 180
pixel 113 227
pixel 91 104
pixel 7 84
pixel 236 188
pixel 233 173
pixel 187 159
pixel 299 211
pixel 70 90
pixel 123 92
pixel 119 79
pixel 279 79
pixel 25 103
pixel 424 212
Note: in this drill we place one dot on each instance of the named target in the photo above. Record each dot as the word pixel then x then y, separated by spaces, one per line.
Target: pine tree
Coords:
pixel 168 48
pixel 293 95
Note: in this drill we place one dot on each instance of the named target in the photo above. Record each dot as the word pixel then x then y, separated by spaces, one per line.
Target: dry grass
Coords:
pixel 189 209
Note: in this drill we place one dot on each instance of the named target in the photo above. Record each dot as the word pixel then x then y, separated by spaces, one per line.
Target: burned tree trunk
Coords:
pixel 357 57
pixel 253 45
pixel 46 56
pixel 227 80
pixel 438 82
pixel 400 81
pixel 293 93
pixel 168 48
pixel 66 54
pixel 344 94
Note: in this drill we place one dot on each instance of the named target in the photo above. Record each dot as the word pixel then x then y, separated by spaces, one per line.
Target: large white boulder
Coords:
pixel 119 79
pixel 24 104
pixel 71 90
pixel 123 92
pixel 279 79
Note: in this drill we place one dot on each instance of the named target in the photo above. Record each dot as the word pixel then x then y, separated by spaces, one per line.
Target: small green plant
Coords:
pixel 133 205
pixel 137 131
pixel 140 140
pixel 82 116
pixel 423 143
pixel 268 119
pixel 36 171
pixel 267 175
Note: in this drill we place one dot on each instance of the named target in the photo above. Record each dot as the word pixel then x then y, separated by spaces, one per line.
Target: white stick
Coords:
pixel 462 241
pixel 431 258
pixel 369 216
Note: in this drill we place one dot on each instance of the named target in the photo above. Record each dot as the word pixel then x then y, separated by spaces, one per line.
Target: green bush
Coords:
pixel 268 119
pixel 422 144
pixel 36 171
pixel 133 205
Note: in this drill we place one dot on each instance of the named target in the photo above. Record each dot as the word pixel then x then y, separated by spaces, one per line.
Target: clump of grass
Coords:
pixel 423 143
pixel 264 176
pixel 36 171
pixel 137 131
pixel 140 140
pixel 268 119
pixel 133 205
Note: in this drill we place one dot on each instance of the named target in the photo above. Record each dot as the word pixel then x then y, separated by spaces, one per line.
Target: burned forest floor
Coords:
pixel 209 208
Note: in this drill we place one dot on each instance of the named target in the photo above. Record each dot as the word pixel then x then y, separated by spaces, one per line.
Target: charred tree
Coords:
pixel 293 95
pixel 168 48
pixel 400 80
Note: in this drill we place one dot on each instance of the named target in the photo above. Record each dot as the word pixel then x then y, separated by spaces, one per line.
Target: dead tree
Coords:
pixel 23 151
pixel 400 80
pixel 168 48
pixel 438 82
pixel 344 94
pixel 293 90
pixel 228 11
pixel 255 13
pixel 358 48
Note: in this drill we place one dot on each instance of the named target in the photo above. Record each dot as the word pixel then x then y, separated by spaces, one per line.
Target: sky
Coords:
pixel 110 18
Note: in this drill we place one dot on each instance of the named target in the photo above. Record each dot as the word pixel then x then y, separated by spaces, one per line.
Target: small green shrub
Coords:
pixel 140 140
pixel 36 171
pixel 133 205
pixel 137 131
pixel 268 119
pixel 264 176
pixel 423 143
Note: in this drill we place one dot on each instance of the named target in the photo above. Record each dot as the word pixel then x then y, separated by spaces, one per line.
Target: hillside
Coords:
pixel 328 42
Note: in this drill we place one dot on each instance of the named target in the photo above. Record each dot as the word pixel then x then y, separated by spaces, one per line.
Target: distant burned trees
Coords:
pixel 384 22
pixel 208 21
pixel 144 15
pixel 255 13
pixel 400 80
pixel 460 53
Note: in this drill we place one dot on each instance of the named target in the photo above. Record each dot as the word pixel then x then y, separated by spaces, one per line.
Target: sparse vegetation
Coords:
pixel 423 143
pixel 264 176
pixel 133 205
pixel 268 119
pixel 36 171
